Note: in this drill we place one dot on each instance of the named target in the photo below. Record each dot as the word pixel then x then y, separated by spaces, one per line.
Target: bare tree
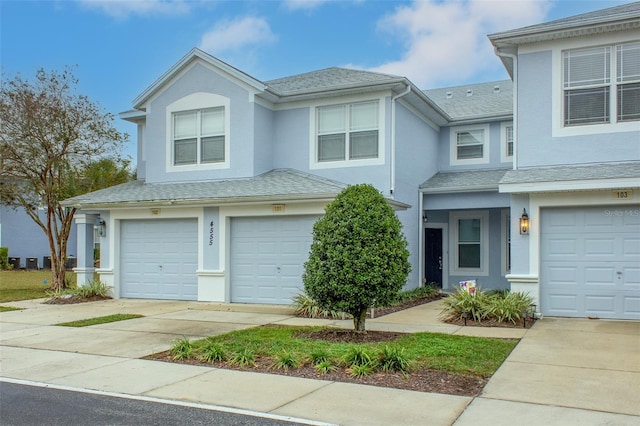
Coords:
pixel 49 136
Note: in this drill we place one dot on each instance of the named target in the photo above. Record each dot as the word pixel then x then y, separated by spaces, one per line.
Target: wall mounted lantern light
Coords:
pixel 524 223
pixel 101 226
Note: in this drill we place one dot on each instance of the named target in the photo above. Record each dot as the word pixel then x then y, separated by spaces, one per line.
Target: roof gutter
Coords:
pixel 514 58
pixel 393 138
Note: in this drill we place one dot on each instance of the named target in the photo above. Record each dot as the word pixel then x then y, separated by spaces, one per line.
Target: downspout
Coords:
pixel 392 159
pixel 514 58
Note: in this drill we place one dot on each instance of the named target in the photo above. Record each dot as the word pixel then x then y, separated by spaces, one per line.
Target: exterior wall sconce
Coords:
pixel 101 227
pixel 524 223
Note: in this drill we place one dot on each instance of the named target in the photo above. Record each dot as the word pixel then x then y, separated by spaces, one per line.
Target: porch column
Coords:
pixel 85 268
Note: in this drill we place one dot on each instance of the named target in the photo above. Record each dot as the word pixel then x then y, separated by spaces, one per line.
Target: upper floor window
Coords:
pixel 470 144
pixel 199 136
pixel 601 84
pixel 347 132
pixel 506 142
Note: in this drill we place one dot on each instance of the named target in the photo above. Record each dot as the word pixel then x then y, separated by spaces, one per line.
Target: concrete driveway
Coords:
pixel 563 371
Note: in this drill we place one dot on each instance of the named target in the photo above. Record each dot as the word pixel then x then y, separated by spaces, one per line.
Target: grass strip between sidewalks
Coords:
pixel 99 320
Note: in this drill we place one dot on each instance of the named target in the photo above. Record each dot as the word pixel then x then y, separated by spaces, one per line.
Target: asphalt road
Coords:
pixel 22 404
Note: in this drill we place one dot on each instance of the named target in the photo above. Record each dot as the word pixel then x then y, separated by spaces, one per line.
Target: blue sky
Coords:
pixel 120 47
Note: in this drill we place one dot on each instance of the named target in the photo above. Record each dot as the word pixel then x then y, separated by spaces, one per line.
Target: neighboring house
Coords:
pixel 26 240
pixel 233 172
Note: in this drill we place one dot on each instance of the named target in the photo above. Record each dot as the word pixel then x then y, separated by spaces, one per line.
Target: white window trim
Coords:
pixel 503 142
pixel 197 101
pixel 557 99
pixel 453 145
pixel 483 270
pixel 313 140
pixel 505 226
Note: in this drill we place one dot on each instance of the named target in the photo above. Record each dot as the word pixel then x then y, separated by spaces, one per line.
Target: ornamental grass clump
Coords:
pixel 498 305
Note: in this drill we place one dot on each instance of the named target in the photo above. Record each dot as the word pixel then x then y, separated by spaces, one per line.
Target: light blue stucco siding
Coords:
pixel 200 79
pixel 263 135
pixel 535 132
pixel 25 239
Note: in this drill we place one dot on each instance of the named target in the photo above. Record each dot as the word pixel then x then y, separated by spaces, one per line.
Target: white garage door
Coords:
pixel 267 258
pixel 590 262
pixel 159 258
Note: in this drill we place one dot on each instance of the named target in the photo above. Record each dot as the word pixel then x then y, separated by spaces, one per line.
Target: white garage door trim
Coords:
pixel 590 262
pixel 158 259
pixel 267 258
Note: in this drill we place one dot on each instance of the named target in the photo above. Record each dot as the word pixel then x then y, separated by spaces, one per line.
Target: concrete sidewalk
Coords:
pixel 564 371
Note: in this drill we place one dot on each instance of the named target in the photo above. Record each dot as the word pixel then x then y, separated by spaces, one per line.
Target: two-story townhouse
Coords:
pixel 576 162
pixel 233 172
pixel 466 220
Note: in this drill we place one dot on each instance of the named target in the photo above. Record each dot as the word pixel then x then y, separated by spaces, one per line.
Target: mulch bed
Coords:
pixel 491 323
pixel 421 380
pixel 61 300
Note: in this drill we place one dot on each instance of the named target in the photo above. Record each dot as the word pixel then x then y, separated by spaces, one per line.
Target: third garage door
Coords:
pixel 267 257
pixel 590 262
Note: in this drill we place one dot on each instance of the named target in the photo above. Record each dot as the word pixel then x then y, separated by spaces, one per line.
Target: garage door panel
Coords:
pixel 275 248
pixel 158 259
pixel 590 262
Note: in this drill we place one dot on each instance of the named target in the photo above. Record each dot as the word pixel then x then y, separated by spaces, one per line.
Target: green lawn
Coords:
pixel 24 285
pixel 99 320
pixel 456 354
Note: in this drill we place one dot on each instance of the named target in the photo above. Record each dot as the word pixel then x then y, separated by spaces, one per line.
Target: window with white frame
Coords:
pixel 506 138
pixel 199 136
pixel 470 242
pixel 601 84
pixel 470 144
pixel 347 132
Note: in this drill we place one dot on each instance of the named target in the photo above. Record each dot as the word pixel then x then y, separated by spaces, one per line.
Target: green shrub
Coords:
pixel 393 358
pixel 319 355
pixel 244 357
pixel 325 367
pixel 361 370
pixel 213 352
pixel 308 308
pixel 286 360
pixel 500 305
pixel 94 288
pixel 4 258
pixel 463 304
pixel 358 355
pixel 181 349
pixel 509 307
pixel 358 258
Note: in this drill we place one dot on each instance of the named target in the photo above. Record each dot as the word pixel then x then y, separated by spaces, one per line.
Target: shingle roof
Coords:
pixel 467 181
pixel 625 15
pixel 276 184
pixel 475 100
pixel 572 173
pixel 327 79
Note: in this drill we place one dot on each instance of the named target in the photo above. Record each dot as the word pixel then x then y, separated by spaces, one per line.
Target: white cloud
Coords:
pixel 240 33
pixel 446 41
pixel 125 8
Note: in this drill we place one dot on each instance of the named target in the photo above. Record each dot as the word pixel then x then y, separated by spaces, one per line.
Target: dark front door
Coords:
pixel 433 255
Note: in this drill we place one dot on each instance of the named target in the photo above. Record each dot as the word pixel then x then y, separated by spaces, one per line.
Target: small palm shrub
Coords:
pixel 181 349
pixel 325 367
pixel 307 307
pixel 213 352
pixel 509 307
pixel 286 360
pixel 94 288
pixel 357 355
pixel 462 304
pixel 499 305
pixel 393 358
pixel 361 370
pixel 243 358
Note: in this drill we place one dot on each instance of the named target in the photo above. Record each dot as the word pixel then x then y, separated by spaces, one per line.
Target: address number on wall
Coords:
pixel 622 194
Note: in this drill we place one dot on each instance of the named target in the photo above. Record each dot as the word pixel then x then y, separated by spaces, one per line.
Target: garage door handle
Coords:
pixel 619 272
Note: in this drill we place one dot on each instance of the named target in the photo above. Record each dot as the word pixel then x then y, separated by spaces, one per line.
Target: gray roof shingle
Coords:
pixel 273 185
pixel 475 100
pixel 467 181
pixel 572 173
pixel 327 79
